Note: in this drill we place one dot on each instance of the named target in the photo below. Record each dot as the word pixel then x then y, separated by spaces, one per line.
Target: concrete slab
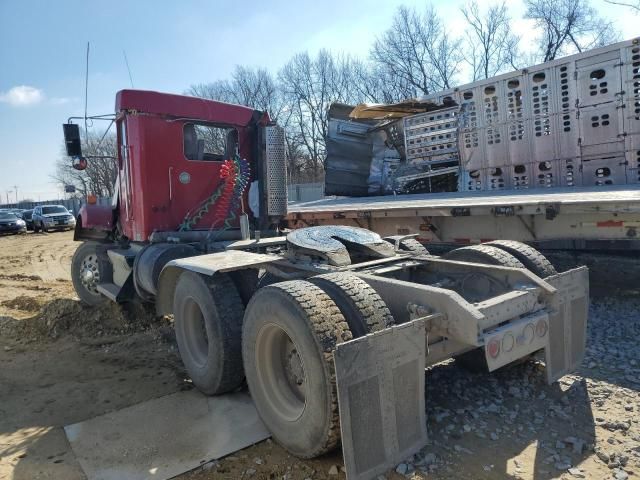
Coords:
pixel 166 436
pixel 380 380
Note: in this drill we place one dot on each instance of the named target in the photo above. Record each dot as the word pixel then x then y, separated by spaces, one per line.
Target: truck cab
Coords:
pixel 172 151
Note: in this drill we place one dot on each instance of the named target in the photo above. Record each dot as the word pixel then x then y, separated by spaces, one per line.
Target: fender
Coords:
pixel 94 222
pixel 208 265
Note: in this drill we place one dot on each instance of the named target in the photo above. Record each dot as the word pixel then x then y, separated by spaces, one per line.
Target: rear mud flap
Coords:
pixel 381 396
pixel 567 322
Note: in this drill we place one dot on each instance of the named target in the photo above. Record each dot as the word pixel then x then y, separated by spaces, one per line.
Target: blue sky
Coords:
pixel 170 45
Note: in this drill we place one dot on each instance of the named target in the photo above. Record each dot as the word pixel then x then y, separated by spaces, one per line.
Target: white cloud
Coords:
pixel 22 96
pixel 60 100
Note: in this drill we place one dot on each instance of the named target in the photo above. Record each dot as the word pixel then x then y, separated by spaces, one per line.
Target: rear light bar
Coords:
pixel 517 339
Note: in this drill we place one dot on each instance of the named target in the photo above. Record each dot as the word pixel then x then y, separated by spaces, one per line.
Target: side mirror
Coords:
pixel 72 139
pixel 79 163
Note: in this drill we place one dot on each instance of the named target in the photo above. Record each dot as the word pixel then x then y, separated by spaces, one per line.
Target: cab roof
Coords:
pixel 186 107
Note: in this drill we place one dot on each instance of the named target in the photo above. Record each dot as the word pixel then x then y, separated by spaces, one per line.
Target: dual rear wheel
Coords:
pixel 283 343
pixel 505 253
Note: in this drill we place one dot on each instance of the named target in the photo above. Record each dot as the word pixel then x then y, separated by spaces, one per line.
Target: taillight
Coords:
pixel 493 348
pixel 508 342
pixel 528 334
pixel 542 327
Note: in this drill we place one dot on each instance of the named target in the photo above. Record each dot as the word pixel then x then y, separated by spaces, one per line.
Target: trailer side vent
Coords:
pixel 636 80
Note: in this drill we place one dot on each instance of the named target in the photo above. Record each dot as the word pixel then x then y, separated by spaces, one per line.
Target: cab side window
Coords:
pixel 208 143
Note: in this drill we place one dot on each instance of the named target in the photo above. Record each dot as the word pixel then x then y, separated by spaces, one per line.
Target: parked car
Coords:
pixel 10 223
pixel 52 217
pixel 27 216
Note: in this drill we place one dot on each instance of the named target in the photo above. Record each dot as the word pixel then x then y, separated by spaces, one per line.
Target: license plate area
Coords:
pixel 516 339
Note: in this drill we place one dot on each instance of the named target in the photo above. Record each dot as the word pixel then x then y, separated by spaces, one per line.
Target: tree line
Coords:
pixel 416 55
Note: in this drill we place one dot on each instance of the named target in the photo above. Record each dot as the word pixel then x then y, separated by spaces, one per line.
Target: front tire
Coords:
pixel 208 323
pixel 88 269
pixel 289 335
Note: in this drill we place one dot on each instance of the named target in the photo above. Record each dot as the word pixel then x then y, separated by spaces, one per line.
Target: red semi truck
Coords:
pixel 316 319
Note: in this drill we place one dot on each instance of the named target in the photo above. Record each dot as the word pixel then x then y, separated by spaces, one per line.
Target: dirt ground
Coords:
pixel 61 363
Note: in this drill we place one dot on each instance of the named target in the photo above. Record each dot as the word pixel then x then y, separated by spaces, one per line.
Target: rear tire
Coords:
pixel 289 335
pixel 531 258
pixel 413 245
pixel 484 254
pixel 208 323
pixel 408 245
pixel 361 306
pixel 88 269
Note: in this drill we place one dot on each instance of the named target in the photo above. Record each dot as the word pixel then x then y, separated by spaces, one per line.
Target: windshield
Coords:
pixel 7 216
pixel 48 210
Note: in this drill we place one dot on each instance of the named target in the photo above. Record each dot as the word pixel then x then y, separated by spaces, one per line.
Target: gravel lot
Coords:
pixel 62 363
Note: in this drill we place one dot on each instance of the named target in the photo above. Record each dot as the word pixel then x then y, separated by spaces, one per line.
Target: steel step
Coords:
pixel 109 290
pixel 127 254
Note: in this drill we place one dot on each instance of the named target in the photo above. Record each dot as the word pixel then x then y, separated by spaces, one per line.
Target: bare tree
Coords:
pixel 255 88
pixel 634 5
pixel 100 175
pixel 568 26
pixel 374 83
pixel 309 86
pixel 492 47
pixel 418 51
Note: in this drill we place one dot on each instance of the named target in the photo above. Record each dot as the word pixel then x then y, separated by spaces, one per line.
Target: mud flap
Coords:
pixel 567 322
pixel 381 396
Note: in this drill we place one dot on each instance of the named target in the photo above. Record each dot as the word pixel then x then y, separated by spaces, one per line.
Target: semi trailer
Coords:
pixel 331 325
pixel 546 155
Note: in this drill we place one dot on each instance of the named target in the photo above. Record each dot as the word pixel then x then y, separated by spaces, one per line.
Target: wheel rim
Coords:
pixel 281 372
pixel 196 339
pixel 90 273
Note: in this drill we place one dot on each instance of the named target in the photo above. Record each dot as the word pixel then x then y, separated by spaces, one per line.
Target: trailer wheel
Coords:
pixel 289 335
pixel 208 323
pixel 361 306
pixel 475 360
pixel 531 258
pixel 486 254
pixel 88 269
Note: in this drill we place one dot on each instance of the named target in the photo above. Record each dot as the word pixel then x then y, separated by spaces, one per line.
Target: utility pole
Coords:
pixel 8 192
pixel 16 188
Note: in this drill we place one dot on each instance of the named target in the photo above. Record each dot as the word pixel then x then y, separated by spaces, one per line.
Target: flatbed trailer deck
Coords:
pixel 563 218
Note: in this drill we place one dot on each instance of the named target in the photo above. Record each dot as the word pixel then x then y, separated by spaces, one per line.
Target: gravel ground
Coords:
pixel 63 364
